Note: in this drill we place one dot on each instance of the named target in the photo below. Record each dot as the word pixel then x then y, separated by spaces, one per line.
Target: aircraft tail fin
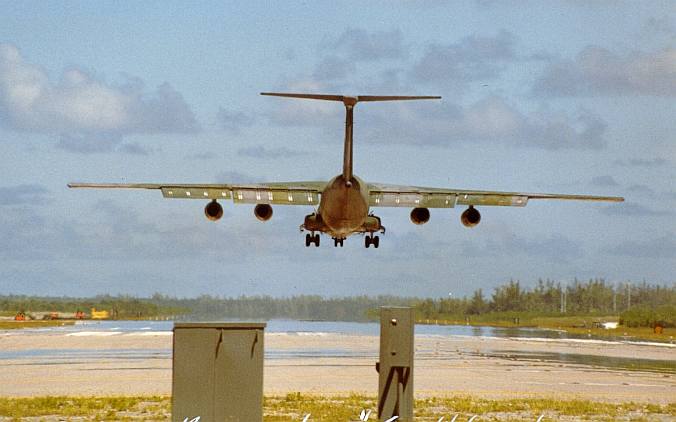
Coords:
pixel 350 102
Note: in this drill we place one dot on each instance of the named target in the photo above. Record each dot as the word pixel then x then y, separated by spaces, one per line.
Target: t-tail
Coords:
pixel 350 102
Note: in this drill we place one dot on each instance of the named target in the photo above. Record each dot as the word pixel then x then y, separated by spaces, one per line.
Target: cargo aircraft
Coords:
pixel 343 204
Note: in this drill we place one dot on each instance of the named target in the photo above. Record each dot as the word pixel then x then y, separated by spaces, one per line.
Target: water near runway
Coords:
pixel 298 328
pixel 47 356
pixel 134 358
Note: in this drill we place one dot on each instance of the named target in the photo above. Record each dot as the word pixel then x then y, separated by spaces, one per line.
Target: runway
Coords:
pixel 138 362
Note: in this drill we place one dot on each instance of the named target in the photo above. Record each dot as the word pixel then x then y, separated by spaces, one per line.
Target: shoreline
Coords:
pixel 628 334
pixel 139 363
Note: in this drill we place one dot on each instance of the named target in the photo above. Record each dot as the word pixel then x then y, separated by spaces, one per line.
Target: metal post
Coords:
pixel 217 372
pixel 395 381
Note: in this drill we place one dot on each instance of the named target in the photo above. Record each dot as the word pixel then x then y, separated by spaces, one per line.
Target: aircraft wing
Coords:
pixel 383 195
pixel 282 193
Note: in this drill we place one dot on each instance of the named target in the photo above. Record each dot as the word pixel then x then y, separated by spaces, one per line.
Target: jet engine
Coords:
pixel 213 210
pixel 420 215
pixel 263 212
pixel 470 217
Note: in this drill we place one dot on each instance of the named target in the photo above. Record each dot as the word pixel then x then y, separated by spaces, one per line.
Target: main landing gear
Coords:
pixel 309 239
pixel 371 240
pixel 338 242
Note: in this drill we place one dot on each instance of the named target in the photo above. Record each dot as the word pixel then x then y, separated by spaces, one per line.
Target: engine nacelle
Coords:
pixel 470 217
pixel 213 210
pixel 420 215
pixel 263 212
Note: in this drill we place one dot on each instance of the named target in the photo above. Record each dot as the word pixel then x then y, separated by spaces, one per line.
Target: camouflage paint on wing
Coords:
pixel 383 195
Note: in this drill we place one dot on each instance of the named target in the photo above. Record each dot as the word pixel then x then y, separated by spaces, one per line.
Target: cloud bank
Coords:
pixel 492 119
pixel 472 58
pixel 82 109
pixel 598 71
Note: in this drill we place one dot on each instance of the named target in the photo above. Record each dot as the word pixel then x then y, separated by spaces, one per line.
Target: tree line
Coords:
pixel 120 307
pixel 637 304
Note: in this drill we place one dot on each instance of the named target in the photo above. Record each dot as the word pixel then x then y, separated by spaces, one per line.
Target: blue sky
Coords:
pixel 564 97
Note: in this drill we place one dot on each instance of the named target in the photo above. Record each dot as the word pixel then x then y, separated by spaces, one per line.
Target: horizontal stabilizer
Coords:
pixel 352 99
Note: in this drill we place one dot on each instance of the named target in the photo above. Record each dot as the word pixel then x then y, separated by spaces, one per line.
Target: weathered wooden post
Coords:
pixel 395 369
pixel 217 372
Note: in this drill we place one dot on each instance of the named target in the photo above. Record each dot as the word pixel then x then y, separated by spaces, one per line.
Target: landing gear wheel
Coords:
pixel 337 242
pixel 316 240
pixel 367 241
pixel 308 240
pixel 376 241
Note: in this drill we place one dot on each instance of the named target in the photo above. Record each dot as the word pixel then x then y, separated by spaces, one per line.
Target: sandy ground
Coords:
pixel 443 366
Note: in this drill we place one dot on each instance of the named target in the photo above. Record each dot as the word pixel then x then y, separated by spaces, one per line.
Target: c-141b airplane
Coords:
pixel 344 201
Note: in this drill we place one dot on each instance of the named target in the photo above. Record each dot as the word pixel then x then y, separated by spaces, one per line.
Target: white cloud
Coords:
pixel 662 247
pixel 491 119
pixel 361 45
pixel 234 121
pixel 597 70
pixel 604 181
pixel 633 209
pixel 80 104
pixel 231 176
pixel 334 68
pixel 642 162
pixel 471 58
pixel 22 194
pixel 554 248
pixel 261 151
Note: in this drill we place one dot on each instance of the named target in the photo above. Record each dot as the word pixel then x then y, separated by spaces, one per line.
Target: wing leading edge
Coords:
pixel 283 193
pixel 382 195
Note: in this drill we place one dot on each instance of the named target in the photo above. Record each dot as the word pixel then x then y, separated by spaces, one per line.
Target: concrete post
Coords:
pixel 217 372
pixel 395 381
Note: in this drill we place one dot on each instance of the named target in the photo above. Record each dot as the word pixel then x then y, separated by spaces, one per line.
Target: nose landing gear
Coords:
pixel 338 242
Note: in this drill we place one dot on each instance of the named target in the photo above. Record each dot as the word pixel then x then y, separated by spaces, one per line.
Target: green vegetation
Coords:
pixel 303 307
pixel 295 406
pixel 10 325
pixel 95 408
pixel 637 307
pixel 549 298
pixel 120 307
pixel 648 316
pixel 577 308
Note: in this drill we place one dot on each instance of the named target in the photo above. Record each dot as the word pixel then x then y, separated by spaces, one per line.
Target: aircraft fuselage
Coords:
pixel 344 207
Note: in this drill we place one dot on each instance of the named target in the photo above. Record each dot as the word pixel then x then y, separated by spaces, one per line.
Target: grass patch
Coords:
pixel 577 325
pixel 294 406
pixel 12 325
pixel 109 408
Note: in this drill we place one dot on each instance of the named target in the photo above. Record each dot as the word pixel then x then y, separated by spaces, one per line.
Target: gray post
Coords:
pixel 395 380
pixel 217 372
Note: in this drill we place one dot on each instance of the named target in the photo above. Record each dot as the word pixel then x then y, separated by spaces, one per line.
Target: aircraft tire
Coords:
pixel 376 241
pixel 307 240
